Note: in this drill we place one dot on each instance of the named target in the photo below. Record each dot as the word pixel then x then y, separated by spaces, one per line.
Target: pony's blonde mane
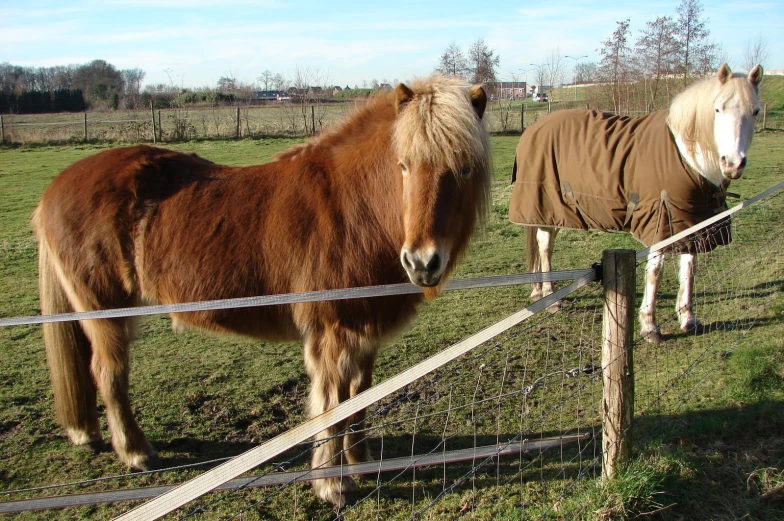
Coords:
pixel 439 127
pixel 692 114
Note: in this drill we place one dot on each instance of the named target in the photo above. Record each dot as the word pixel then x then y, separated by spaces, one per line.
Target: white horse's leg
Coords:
pixel 534 264
pixel 683 305
pixel 545 238
pixel 649 329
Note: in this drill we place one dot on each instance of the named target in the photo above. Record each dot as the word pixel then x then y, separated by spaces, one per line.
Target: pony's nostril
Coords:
pixel 723 160
pixel 408 264
pixel 434 263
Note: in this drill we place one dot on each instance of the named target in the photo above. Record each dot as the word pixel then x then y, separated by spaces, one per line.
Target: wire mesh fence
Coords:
pixel 512 429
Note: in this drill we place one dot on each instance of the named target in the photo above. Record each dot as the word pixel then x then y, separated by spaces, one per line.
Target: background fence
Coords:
pixel 520 415
pixel 285 119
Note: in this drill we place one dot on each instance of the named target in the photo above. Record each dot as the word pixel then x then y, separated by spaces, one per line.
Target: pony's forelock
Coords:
pixel 440 128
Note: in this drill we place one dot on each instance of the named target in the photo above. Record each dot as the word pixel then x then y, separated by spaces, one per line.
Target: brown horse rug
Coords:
pixel 585 170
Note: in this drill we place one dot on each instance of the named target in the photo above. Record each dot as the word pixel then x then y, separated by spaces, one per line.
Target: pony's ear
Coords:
pixel 755 76
pixel 724 73
pixel 402 96
pixel 479 100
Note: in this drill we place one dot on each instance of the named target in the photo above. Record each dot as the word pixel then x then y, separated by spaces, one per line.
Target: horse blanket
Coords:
pixel 585 170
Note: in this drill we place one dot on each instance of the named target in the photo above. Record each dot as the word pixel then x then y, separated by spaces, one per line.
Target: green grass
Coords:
pixel 709 451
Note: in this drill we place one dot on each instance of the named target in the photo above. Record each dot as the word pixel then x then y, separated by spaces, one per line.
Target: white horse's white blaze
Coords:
pixel 731 106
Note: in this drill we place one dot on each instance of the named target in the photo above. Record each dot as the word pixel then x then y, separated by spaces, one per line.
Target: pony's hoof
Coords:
pixel 336 491
pixel 92 442
pixel 144 462
pixel 653 336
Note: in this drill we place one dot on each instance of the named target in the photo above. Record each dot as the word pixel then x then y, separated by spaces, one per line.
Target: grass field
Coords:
pixel 701 452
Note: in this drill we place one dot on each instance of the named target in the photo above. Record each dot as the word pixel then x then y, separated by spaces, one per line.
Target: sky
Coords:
pixel 192 43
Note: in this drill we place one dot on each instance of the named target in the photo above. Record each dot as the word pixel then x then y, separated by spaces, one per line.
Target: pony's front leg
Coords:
pixel 110 367
pixel 683 306
pixel 355 442
pixel 325 363
pixel 649 329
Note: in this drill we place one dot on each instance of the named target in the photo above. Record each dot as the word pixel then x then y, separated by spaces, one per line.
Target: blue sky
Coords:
pixel 194 42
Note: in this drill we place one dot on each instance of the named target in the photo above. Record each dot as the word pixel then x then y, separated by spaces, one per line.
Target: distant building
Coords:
pixel 507 89
pixel 271 95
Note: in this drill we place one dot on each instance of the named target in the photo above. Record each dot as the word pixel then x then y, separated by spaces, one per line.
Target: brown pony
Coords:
pixel 391 194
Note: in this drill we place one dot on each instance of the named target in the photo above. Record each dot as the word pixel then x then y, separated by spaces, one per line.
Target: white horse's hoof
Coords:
pixel 652 335
pixel 691 324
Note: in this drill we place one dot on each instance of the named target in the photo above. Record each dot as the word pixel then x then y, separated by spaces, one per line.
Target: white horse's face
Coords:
pixel 735 119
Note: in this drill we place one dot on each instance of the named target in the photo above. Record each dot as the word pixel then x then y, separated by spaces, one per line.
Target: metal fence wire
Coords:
pixel 511 428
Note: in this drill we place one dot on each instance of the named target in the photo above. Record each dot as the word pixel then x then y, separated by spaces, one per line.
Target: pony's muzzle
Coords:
pixel 732 169
pixel 424 267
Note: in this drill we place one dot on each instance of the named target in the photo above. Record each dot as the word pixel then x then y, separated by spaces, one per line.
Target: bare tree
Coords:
pixel 585 72
pixel 755 53
pixel 307 85
pixel 615 64
pixel 482 63
pixel 132 87
pixel 555 68
pixel 452 62
pixel 266 79
pixel 694 50
pixel 656 50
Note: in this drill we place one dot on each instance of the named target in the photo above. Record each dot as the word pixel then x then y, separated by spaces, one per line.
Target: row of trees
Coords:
pixel 477 66
pixel 101 84
pixel 667 54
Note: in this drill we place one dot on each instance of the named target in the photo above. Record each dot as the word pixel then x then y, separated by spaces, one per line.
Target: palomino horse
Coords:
pixel 653 176
pixel 393 193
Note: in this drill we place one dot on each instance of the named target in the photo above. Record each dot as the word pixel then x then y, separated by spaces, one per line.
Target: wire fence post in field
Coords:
pixel 522 116
pixel 85 126
pixel 152 113
pixel 618 281
pixel 2 131
pixel 764 116
pixel 237 133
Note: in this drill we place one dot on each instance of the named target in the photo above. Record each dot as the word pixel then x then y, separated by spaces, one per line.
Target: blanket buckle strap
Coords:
pixel 634 201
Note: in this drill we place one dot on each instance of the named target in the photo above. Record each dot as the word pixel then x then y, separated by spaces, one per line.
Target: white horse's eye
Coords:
pixel 756 112
pixel 717 110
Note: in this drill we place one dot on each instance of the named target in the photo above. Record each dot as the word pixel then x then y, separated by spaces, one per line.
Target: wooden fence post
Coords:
pixel 522 116
pixel 313 119
pixel 618 281
pixel 2 131
pixel 85 126
pixel 152 112
pixel 237 133
pixel 160 127
pixel 765 116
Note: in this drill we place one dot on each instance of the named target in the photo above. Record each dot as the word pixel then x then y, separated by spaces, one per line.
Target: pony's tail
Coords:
pixel 533 249
pixel 68 354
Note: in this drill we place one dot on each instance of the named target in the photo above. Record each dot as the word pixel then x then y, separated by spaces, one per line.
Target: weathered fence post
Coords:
pixel 160 128
pixel 2 131
pixel 764 116
pixel 522 116
pixel 313 119
pixel 152 112
pixel 618 281
pixel 237 133
pixel 85 126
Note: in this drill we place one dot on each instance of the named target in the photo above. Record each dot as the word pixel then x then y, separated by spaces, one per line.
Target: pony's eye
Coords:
pixel 717 111
pixel 403 168
pixel 756 112
pixel 466 171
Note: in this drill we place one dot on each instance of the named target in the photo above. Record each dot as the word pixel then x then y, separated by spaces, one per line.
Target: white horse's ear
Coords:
pixel 724 73
pixel 755 76
pixel 478 100
pixel 402 96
